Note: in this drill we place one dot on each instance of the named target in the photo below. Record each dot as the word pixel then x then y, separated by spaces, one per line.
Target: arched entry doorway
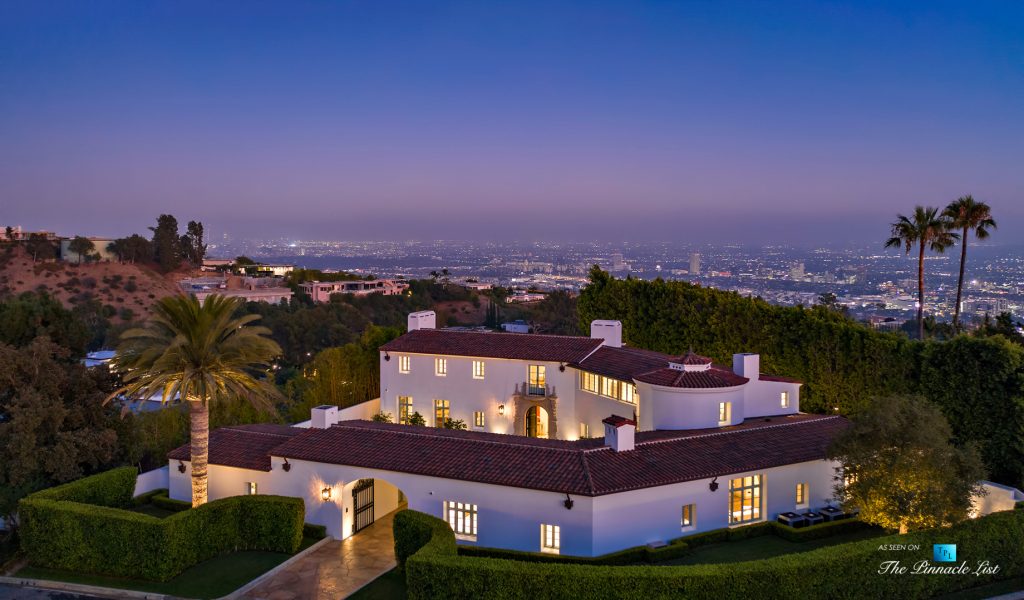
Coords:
pixel 537 422
pixel 366 501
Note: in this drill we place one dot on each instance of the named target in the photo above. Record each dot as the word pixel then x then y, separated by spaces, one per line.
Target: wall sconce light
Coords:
pixel 561 367
pixel 325 494
pixel 713 485
pixel 387 356
pixel 286 466
pixel 181 467
pixel 567 503
pixel 501 410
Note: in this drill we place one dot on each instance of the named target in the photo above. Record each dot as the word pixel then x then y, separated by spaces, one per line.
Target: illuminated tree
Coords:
pixel 900 469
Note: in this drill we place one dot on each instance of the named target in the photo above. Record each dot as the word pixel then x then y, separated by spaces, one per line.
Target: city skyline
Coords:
pixel 711 123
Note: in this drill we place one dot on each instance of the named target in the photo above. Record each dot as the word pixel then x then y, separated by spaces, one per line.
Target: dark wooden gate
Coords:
pixel 362 505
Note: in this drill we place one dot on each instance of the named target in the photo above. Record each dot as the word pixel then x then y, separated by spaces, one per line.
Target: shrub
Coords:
pixel 131 286
pixel 434 569
pixel 147 498
pixel 76 527
pixel 316 532
pixel 161 500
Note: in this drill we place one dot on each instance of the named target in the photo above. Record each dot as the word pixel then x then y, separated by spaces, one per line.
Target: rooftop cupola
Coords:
pixel 690 362
pixel 619 433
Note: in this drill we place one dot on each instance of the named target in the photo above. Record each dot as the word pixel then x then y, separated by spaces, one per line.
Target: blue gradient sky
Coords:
pixel 710 121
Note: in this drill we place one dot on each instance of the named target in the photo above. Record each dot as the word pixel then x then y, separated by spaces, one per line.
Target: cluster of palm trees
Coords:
pixel 930 228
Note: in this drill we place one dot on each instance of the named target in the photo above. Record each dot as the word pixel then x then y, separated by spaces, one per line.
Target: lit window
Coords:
pixel 442 412
pixel 801 494
pixel 461 517
pixel 478 418
pixel 588 382
pixel 784 399
pixel 440 367
pixel 584 430
pixel 609 387
pixel 628 393
pixel 250 488
pixel 478 369
pixel 550 539
pixel 404 409
pixel 745 499
pixel 538 380
pixel 724 413
pixel 689 518
pixel 403 364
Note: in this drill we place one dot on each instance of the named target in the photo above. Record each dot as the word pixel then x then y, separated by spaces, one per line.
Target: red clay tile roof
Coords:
pixel 553 348
pixel 583 467
pixel 617 421
pixel 764 377
pixel 243 446
pixel 714 377
pixel 622 363
pixel 690 358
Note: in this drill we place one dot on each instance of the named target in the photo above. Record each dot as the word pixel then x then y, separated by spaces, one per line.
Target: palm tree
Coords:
pixel 966 215
pixel 202 352
pixel 927 229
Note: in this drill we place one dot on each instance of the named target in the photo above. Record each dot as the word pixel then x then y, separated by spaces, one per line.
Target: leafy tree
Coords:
pixel 417 419
pixel 53 427
pixel 9 233
pixel 41 247
pixel 557 312
pixel 382 417
pixel 967 215
pixel 32 314
pixel 242 261
pixel 134 248
pixel 82 246
pixel 1003 325
pixel 202 352
pixel 455 424
pixel 900 469
pixel 927 229
pixel 166 243
pixel 192 246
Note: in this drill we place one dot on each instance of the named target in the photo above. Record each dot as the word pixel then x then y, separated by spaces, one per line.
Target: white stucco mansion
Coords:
pixel 577 445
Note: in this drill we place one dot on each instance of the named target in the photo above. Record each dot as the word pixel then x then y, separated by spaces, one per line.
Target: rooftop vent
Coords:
pixel 323 416
pixel 619 433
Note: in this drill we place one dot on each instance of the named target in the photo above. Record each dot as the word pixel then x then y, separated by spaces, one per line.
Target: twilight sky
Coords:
pixel 710 121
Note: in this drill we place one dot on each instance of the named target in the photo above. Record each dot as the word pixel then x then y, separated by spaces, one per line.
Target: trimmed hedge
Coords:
pixel 849 570
pixel 60 531
pixel 161 500
pixel 678 547
pixel 315 532
pixel 147 498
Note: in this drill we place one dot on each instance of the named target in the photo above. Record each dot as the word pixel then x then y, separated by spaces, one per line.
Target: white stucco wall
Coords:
pixel 764 398
pixel 511 517
pixel 467 394
pixel 997 498
pixel 664 407
pixel 152 480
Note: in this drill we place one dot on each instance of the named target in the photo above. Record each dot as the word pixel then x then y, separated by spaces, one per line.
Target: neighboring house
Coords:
pixel 98 358
pixel 321 291
pixel 99 250
pixel 251 289
pixel 264 270
pixel 517 326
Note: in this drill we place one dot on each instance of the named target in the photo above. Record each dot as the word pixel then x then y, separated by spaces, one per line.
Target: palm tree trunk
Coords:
pixel 920 293
pixel 960 282
pixel 199 417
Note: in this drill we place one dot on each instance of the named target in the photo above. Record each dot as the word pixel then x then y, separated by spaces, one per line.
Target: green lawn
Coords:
pixel 211 579
pixel 764 546
pixel 389 586
pixel 152 510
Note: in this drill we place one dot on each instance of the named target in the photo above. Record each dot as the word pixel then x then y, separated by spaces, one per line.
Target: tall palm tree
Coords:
pixel 966 215
pixel 927 229
pixel 202 352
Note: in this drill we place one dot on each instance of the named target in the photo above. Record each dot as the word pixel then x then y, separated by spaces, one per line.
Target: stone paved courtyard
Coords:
pixel 336 569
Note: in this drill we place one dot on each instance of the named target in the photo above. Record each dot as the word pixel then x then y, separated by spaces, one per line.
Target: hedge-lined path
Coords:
pixel 336 569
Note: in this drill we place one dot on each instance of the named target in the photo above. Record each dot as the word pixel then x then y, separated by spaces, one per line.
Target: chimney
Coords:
pixel 619 433
pixel 323 416
pixel 609 331
pixel 747 365
pixel 424 319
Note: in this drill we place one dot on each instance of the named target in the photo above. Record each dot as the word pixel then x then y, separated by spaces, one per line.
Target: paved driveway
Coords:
pixel 335 569
pixel 12 592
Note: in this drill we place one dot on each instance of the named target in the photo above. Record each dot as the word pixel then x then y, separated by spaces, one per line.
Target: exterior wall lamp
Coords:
pixel 387 356
pixel 713 485
pixel 325 494
pixel 181 467
pixel 286 466
pixel 501 410
pixel 568 502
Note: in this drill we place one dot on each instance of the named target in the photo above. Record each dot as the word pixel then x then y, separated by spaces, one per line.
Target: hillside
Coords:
pixel 124 287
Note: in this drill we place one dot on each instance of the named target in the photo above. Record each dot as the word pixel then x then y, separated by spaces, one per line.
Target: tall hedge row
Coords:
pixel 977 382
pixel 59 530
pixel 850 570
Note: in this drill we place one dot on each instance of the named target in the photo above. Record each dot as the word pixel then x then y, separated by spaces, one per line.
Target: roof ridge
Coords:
pixel 246 428
pixel 586 474
pixel 427 434
pixel 758 428
pixel 509 333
